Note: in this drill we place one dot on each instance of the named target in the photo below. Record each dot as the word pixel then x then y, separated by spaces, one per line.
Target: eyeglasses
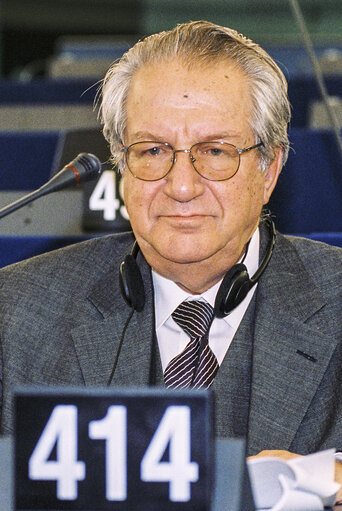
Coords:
pixel 215 161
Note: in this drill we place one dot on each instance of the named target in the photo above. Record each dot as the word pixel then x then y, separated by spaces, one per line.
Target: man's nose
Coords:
pixel 183 183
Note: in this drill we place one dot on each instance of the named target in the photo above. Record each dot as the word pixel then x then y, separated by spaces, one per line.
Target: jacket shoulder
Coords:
pixel 74 265
pixel 315 252
pixel 321 261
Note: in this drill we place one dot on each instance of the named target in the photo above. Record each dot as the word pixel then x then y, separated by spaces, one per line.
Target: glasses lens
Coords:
pixel 149 161
pixel 216 161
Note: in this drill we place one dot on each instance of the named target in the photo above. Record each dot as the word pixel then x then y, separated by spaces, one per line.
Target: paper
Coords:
pixel 305 483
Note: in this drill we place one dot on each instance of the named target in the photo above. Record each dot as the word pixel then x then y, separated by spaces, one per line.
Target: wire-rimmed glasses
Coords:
pixel 153 160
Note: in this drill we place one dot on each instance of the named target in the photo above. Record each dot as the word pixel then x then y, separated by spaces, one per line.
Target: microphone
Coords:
pixel 83 168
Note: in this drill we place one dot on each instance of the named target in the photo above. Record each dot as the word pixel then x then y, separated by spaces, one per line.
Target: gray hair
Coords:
pixel 201 42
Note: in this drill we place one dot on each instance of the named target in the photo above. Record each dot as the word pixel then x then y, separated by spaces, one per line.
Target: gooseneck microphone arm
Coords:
pixel 83 168
pixel 334 121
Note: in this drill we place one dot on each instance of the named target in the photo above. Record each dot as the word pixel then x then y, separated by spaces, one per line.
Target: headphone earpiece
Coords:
pixel 232 290
pixel 131 283
pixel 237 283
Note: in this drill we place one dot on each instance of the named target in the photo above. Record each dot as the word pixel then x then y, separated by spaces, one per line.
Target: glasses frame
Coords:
pixel 192 159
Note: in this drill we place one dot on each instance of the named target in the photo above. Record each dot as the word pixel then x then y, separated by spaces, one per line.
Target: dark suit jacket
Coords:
pixel 62 317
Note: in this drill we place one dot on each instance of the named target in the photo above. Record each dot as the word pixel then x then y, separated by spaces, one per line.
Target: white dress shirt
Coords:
pixel 168 295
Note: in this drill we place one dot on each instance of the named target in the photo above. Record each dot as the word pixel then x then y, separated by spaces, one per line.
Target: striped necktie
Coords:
pixel 196 366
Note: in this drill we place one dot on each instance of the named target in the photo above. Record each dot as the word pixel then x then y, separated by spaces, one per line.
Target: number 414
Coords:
pixel 61 431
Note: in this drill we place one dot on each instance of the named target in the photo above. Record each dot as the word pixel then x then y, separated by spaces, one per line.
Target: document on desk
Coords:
pixel 305 483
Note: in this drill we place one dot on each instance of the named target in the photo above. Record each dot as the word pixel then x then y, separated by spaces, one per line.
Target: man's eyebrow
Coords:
pixel 225 134
pixel 144 135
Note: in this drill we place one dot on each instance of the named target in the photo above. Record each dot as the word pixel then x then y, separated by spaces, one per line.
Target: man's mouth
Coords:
pixel 193 219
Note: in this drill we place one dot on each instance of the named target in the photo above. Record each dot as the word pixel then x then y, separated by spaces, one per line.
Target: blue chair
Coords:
pixel 47 91
pixel 332 238
pixel 26 159
pixel 17 248
pixel 308 196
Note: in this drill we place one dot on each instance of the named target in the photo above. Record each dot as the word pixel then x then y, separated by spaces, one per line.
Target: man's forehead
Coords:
pixel 175 86
pixel 172 67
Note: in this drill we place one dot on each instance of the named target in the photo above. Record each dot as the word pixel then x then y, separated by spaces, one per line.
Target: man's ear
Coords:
pixel 272 174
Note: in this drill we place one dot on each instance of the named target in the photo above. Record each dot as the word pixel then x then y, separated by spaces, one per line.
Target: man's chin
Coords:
pixel 182 255
pixel 162 249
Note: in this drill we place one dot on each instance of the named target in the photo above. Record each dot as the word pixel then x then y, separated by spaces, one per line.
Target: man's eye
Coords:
pixel 215 151
pixel 154 151
pixel 210 150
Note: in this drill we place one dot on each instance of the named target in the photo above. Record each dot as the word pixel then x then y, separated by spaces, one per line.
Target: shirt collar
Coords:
pixel 168 295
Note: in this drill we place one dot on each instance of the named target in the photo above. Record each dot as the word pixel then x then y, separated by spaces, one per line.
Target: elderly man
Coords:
pixel 207 294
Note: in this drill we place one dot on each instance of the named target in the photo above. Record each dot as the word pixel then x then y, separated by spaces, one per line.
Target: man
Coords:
pixel 197 122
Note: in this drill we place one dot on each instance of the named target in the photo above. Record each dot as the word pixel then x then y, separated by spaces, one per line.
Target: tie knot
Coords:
pixel 194 317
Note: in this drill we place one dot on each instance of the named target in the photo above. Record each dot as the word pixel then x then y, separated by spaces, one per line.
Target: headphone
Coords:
pixel 232 291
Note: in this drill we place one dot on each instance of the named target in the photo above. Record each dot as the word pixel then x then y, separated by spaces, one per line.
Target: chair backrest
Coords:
pixel 26 159
pixel 18 248
pixel 308 196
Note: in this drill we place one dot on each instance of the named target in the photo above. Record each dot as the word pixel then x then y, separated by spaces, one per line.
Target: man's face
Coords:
pixel 183 218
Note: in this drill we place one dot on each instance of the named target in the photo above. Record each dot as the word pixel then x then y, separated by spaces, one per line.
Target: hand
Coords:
pixel 286 455
pixel 338 479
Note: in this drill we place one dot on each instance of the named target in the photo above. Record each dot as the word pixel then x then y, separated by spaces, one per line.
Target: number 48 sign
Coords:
pixel 128 450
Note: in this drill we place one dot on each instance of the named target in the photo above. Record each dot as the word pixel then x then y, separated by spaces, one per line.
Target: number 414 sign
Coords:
pixel 124 450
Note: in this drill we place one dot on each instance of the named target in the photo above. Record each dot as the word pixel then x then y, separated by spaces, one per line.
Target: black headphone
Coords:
pixel 232 290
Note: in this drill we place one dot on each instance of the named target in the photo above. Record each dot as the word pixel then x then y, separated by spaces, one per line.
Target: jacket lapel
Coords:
pixel 291 352
pixel 97 342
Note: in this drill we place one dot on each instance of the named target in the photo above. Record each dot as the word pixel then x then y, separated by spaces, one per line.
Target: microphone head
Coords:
pixel 85 166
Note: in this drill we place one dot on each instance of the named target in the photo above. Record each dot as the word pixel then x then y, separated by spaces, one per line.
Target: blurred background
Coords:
pixel 53 55
pixel 35 33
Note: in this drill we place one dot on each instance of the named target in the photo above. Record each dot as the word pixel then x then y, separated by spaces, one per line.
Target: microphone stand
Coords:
pixel 334 122
pixel 19 203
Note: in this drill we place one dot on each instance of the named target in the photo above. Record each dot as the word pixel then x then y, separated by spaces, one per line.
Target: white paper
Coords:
pixel 305 483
